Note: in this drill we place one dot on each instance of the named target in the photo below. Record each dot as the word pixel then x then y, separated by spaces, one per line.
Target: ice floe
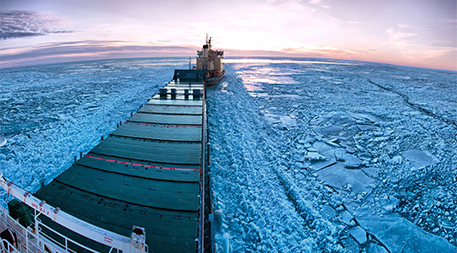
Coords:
pixel 419 158
pixel 400 235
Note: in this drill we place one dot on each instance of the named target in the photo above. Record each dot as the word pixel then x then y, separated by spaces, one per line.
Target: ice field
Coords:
pixel 51 113
pixel 307 155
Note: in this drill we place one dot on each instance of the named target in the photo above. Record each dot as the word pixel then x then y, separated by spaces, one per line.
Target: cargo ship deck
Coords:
pixel 149 173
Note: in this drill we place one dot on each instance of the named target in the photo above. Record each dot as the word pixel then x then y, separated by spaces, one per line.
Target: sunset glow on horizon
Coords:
pixel 405 32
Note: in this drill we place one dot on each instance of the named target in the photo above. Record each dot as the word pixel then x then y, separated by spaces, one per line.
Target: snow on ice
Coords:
pixel 306 155
pixel 363 143
pixel 52 113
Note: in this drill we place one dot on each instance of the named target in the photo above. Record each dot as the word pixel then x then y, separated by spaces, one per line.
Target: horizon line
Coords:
pixel 64 60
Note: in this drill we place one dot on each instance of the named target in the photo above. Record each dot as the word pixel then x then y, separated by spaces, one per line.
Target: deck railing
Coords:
pixel 105 237
pixel 26 240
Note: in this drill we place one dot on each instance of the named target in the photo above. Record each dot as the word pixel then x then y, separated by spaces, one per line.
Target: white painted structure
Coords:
pixel 32 239
pixel 210 58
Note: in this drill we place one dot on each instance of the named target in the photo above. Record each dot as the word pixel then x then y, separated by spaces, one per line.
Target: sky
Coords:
pixel 419 33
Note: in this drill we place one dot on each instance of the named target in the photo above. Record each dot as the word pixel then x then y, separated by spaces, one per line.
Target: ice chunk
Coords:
pixel 419 158
pixel 389 203
pixel 360 177
pixel 374 248
pixel 382 138
pixel 261 222
pixel 350 149
pixel 396 159
pixel 350 244
pixel 314 156
pixel 341 178
pixel 288 121
pixel 330 130
pixel 65 116
pixel 333 152
pixel 346 217
pixel 370 171
pixel 308 140
pixel 400 235
pixel 218 220
pixel 224 242
pixel 339 154
pixel 364 116
pixel 328 212
pixel 2 141
pixel 351 161
pixel 321 147
pixel 366 127
pixel 336 168
pixel 320 164
pixel 359 234
pixel 315 122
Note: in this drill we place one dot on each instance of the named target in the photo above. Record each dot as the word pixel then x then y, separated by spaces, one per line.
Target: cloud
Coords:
pixel 328 52
pixel 400 39
pixel 22 24
pixel 396 35
pixel 320 3
pixel 318 52
pixel 85 50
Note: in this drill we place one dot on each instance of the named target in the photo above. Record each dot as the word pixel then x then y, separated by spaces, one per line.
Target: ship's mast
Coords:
pixel 208 41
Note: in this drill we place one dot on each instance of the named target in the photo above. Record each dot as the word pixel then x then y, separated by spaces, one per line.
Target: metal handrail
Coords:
pixel 24 236
pixel 62 236
pixel 88 230
pixel 10 247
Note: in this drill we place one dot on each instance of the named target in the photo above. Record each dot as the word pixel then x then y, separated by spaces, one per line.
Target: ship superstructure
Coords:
pixel 211 61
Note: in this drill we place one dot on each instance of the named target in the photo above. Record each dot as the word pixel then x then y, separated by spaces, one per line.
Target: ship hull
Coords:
pixel 215 80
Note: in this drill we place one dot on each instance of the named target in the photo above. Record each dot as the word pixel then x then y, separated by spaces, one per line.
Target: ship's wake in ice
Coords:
pixel 334 156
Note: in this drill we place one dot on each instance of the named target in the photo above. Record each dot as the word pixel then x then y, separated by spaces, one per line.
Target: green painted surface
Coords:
pixel 190 134
pixel 141 191
pixel 189 102
pixel 166 230
pixel 145 174
pixel 155 151
pixel 169 109
pixel 139 171
pixel 194 120
pixel 135 161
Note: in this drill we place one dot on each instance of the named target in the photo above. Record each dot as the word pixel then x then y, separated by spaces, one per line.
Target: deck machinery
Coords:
pixel 144 188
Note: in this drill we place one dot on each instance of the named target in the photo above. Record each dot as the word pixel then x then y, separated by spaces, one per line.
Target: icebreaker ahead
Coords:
pixel 210 62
